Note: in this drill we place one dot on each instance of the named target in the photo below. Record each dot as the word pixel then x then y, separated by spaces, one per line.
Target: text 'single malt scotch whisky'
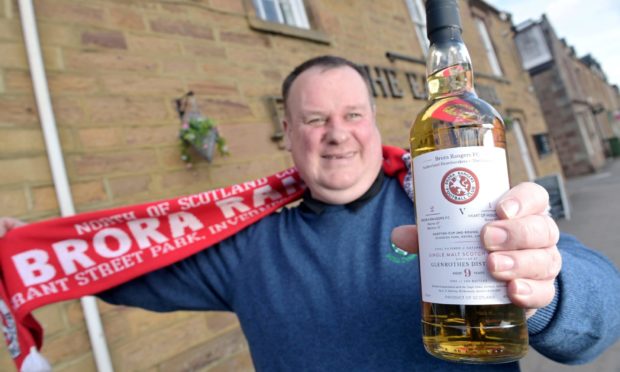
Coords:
pixel 460 171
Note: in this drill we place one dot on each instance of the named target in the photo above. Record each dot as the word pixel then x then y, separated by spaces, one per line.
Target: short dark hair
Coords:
pixel 327 62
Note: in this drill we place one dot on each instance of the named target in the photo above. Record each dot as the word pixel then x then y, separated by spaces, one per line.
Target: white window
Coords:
pixel 418 17
pixel 288 12
pixel 524 150
pixel 585 133
pixel 488 46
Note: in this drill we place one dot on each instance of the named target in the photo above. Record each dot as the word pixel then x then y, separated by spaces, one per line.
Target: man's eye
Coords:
pixel 315 121
pixel 353 115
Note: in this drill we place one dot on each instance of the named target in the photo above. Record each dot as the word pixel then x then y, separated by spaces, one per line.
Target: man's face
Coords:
pixel 330 128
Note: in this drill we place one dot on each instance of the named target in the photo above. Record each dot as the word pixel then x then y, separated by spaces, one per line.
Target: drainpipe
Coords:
pixel 57 165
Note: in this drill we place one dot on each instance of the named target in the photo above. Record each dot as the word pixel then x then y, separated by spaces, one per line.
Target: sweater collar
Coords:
pixel 316 206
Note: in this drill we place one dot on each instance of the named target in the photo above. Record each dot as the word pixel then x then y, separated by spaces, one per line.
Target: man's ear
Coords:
pixel 287 139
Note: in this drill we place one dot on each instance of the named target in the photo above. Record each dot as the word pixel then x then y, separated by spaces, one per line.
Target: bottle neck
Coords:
pixel 448 66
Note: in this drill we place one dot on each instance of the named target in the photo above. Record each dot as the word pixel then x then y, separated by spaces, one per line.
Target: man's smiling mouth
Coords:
pixel 346 155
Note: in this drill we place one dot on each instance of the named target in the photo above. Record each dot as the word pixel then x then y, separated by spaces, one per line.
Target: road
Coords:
pixel 595 205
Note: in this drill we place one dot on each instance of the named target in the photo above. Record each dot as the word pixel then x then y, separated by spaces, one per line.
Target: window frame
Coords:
pixel 313 33
pixel 489 48
pixel 524 149
pixel 417 15
pixel 298 17
pixel 542 141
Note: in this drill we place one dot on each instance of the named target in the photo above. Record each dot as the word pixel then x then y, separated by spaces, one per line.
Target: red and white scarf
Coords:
pixel 67 258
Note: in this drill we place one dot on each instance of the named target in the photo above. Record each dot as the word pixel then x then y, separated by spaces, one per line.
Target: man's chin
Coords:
pixel 339 192
pixel 338 186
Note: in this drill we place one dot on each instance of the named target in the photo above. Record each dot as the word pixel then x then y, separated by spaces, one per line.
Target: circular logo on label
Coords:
pixel 460 185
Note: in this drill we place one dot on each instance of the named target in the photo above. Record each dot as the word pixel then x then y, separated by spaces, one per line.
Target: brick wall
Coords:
pixel 114 68
pixel 568 91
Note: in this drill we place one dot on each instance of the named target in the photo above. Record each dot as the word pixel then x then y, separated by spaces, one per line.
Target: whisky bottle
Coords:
pixel 460 171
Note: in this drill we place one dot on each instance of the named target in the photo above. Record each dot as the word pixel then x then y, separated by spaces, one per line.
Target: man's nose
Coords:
pixel 336 131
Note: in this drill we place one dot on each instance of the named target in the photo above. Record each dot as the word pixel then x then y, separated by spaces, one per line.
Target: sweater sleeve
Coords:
pixel 583 320
pixel 199 282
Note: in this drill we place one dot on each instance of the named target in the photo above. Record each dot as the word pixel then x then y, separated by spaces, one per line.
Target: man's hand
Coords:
pixel 8 223
pixel 521 244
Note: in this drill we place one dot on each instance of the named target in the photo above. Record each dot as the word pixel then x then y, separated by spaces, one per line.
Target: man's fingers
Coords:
pixel 536 264
pixel 8 223
pixel 406 238
pixel 531 294
pixel 535 231
pixel 524 199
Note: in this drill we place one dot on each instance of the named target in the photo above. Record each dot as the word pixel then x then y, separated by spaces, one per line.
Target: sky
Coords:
pixel 591 27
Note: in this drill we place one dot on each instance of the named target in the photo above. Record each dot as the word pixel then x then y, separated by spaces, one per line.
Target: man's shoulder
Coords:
pixel 394 186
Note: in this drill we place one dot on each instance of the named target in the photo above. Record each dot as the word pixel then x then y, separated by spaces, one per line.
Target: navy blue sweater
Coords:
pixel 323 290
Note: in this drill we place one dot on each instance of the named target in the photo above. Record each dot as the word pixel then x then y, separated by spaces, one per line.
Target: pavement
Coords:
pixel 595 204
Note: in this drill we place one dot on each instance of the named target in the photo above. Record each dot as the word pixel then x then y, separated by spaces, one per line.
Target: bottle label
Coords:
pixel 456 191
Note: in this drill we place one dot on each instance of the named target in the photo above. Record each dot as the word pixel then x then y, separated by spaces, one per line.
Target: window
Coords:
pixel 488 46
pixel 288 12
pixel 418 17
pixel 524 150
pixel 543 144
pixel 585 133
pixel 288 18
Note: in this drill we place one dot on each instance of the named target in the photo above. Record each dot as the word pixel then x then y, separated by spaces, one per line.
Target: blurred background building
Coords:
pixel 580 107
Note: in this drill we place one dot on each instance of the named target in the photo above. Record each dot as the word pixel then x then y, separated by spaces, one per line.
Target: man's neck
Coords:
pixel 317 206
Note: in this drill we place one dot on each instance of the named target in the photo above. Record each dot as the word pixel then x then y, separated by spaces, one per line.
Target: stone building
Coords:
pixel 114 69
pixel 579 105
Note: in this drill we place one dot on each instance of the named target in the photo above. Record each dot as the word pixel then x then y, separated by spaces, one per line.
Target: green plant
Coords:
pixel 203 136
pixel 508 122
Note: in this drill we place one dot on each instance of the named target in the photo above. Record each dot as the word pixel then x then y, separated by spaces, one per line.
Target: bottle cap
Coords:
pixel 442 15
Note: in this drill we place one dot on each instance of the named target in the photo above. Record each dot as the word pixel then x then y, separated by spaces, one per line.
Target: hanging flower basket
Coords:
pixel 197 132
pixel 508 122
pixel 203 136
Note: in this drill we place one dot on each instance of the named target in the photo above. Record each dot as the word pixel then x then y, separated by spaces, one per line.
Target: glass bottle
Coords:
pixel 458 148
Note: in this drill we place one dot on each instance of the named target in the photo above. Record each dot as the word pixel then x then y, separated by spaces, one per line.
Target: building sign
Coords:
pixel 558 200
pixel 532 47
pixel 388 82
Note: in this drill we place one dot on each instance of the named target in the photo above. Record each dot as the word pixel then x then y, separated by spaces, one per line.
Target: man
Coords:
pixel 316 287
pixel 336 146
